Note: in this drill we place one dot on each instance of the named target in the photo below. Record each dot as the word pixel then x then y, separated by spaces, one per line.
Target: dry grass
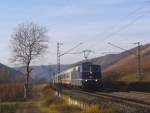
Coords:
pixel 63 108
pixel 52 100
pixel 11 92
pixel 130 78
pixel 9 107
pixel 54 104
pixel 126 68
pixel 97 109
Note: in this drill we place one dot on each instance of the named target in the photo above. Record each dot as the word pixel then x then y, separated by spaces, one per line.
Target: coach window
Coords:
pixel 79 69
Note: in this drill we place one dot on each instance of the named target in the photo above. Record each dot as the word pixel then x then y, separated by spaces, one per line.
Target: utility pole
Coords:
pixel 138 55
pixel 139 58
pixel 58 61
pixel 58 56
pixel 58 65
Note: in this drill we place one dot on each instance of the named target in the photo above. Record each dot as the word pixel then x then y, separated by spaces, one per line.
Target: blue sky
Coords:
pixel 75 21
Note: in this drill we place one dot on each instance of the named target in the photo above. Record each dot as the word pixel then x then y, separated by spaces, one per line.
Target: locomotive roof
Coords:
pixel 78 64
pixel 73 66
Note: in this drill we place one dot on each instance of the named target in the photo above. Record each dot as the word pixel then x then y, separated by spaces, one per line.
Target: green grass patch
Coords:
pixel 9 107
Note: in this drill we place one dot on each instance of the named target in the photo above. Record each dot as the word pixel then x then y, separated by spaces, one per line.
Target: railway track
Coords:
pixel 118 99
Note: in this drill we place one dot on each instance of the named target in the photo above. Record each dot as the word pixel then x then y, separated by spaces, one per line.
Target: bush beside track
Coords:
pixel 11 92
pixel 125 86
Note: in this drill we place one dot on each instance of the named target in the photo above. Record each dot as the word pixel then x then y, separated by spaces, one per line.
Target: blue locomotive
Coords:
pixel 85 75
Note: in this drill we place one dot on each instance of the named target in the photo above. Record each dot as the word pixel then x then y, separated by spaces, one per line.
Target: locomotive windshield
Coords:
pixel 90 71
pixel 86 67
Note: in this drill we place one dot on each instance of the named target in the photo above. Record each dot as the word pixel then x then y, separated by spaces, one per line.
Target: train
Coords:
pixel 85 75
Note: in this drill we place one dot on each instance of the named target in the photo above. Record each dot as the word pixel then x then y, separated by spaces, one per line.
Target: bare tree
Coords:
pixel 29 42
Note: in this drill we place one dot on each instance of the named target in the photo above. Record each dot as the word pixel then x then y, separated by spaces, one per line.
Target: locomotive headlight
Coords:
pixel 96 80
pixel 85 80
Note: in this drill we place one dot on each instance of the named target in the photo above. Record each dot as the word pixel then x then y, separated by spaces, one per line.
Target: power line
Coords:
pixel 59 54
pixel 126 26
pixel 117 46
pixel 110 52
pixel 120 29
pixel 121 48
pixel 124 18
pixel 67 52
pixel 85 53
pixel 129 24
pixel 138 54
pixel 58 60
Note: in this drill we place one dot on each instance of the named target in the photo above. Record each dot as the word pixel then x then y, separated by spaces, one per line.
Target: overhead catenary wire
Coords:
pixel 85 52
pixel 60 55
pixel 139 67
pixel 124 18
pixel 92 51
pixel 117 46
pixel 119 29
pixel 126 25
pixel 67 52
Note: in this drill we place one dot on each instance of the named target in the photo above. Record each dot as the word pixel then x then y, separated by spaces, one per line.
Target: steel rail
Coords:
pixel 118 99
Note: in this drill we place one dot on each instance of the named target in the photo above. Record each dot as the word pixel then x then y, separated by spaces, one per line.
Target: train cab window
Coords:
pixel 79 69
pixel 86 68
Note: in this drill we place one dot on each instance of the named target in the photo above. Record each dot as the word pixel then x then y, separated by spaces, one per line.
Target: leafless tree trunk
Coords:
pixel 29 41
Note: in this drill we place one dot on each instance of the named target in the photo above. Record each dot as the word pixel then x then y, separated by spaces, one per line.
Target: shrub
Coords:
pixel 8 107
pixel 11 92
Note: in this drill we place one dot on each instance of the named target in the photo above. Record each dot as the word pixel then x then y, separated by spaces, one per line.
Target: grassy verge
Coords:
pixel 51 103
pixel 9 107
